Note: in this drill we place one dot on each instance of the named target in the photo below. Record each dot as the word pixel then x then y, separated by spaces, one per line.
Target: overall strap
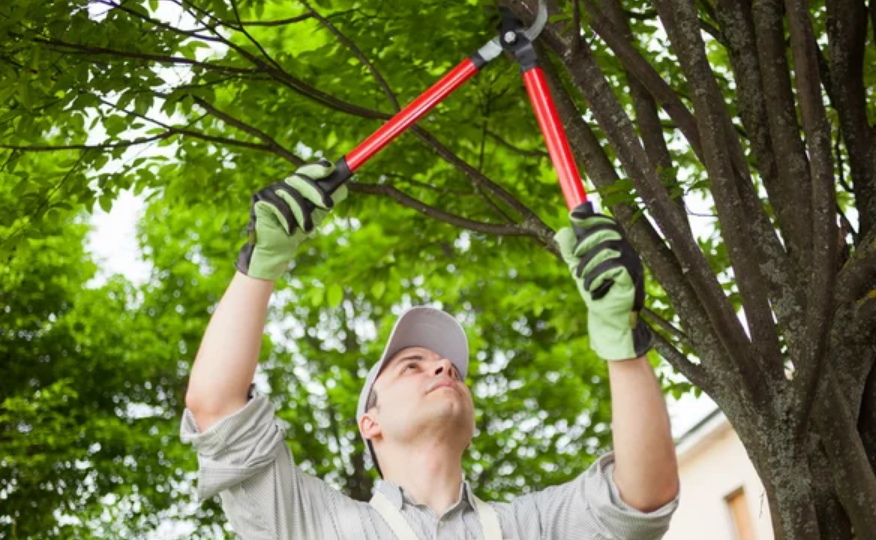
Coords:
pixel 489 520
pixel 392 517
pixel 492 530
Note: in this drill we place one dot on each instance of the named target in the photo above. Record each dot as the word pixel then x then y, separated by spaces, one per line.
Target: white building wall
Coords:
pixel 712 465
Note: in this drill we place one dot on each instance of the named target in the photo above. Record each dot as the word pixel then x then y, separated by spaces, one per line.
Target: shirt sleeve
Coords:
pixel 245 459
pixel 590 507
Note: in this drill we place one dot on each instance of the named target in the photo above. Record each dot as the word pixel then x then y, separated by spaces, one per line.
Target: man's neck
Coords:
pixel 430 475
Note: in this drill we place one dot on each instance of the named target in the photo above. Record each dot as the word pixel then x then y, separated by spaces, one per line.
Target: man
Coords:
pixel 416 412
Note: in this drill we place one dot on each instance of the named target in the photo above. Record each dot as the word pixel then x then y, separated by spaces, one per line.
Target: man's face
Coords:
pixel 419 392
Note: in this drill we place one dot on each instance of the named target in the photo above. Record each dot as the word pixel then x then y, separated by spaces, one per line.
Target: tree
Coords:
pixel 759 109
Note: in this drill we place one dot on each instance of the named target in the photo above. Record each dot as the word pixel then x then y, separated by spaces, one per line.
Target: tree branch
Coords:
pixel 155 22
pixel 246 128
pixel 277 150
pixel 529 219
pixel 854 481
pixel 867 418
pixel 727 179
pixel 792 164
pixel 666 325
pixel 735 18
pixel 858 276
pixel 284 22
pixel 679 361
pixel 278 22
pixel 819 308
pixel 411 181
pixel 101 146
pixel 650 127
pixel 782 274
pixel 525 153
pixel 246 33
pixel 61 46
pixel 435 213
pixel 847 32
pixel 633 61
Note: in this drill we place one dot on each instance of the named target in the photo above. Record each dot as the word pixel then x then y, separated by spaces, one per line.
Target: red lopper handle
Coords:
pixel 555 138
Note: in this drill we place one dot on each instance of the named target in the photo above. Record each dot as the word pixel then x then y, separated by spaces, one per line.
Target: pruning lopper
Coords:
pixel 517 41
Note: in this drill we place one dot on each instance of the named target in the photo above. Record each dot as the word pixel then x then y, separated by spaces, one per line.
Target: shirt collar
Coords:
pixel 398 497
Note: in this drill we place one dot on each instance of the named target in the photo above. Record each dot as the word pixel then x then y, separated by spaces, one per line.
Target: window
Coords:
pixel 738 505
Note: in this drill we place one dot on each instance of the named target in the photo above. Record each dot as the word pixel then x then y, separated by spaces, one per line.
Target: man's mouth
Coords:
pixel 447 383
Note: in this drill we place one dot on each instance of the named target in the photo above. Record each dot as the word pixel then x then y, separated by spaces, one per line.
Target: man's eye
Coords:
pixel 410 365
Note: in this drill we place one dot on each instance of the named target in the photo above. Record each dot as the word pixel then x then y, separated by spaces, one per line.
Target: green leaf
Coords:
pixel 335 295
pixel 106 203
pixel 378 288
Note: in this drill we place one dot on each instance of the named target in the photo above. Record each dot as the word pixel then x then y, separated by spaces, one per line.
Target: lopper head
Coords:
pixel 511 27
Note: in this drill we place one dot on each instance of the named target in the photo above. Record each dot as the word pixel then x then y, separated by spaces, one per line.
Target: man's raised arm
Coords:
pixel 610 277
pixel 646 469
pixel 280 219
pixel 226 361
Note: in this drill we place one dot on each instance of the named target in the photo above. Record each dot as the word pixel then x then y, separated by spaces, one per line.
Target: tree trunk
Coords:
pixel 833 522
pixel 788 487
pixel 782 464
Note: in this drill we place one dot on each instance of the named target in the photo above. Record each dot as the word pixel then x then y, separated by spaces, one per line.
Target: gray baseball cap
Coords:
pixel 425 327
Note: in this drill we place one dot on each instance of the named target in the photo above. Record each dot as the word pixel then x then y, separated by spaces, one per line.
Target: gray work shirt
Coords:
pixel 245 459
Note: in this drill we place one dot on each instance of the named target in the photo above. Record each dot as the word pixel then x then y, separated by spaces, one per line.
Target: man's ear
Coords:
pixel 369 426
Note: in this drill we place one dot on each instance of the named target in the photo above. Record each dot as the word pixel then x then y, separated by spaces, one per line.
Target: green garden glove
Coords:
pixel 611 278
pixel 280 219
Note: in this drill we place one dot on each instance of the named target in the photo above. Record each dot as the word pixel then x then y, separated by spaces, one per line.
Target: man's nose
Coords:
pixel 445 367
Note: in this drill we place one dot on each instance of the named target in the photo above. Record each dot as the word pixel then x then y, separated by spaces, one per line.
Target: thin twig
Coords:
pixel 45 201
pixel 432 212
pixel 403 178
pixel 496 208
pixel 102 146
pixel 160 24
pixel 252 130
pixel 694 372
pixel 358 53
pixel 253 40
pixel 521 151
pixel 841 179
pixel 279 22
pixel 666 325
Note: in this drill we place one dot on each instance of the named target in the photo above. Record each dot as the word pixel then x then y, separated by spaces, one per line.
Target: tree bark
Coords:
pixel 847 32
pixel 787 480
